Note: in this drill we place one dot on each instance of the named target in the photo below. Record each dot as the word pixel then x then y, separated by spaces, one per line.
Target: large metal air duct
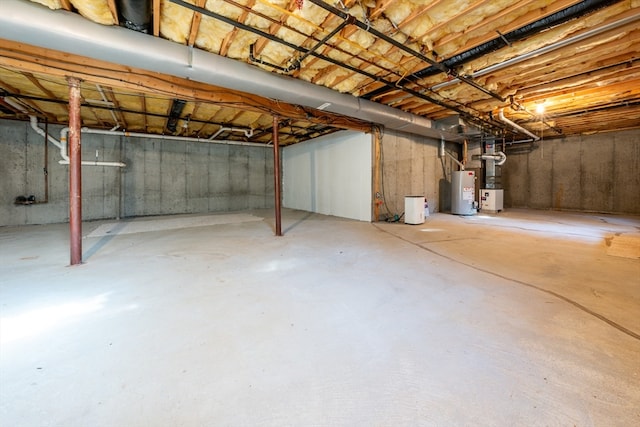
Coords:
pixel 31 23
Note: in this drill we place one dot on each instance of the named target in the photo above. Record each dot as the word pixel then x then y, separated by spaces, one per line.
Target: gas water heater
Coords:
pixel 462 192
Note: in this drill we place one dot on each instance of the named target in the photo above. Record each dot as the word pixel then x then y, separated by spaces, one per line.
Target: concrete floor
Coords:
pixel 520 318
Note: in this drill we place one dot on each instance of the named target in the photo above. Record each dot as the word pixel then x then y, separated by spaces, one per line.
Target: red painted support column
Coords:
pixel 276 174
pixel 75 172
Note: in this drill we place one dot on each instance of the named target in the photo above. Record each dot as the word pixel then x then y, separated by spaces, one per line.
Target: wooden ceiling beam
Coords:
pixel 195 24
pixel 10 89
pixel 114 100
pixel 273 28
pixel 39 85
pixel 45 61
pixel 448 21
pixel 114 11
pixel 143 104
pixel 381 6
pixel 156 18
pixel 482 26
pixel 418 13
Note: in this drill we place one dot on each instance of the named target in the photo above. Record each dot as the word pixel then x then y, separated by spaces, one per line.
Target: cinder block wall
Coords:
pixel 161 177
pixel 411 166
pixel 594 173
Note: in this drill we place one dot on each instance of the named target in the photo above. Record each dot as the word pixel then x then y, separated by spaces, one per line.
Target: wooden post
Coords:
pixel 75 172
pixel 377 170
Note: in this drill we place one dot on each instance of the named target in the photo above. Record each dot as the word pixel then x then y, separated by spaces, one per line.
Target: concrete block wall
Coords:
pixel 411 166
pixel 161 177
pixel 591 173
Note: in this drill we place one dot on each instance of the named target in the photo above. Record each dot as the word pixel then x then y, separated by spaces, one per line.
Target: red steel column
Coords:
pixel 276 174
pixel 75 172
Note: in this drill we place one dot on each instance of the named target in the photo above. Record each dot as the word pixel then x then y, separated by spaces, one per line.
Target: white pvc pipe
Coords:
pixel 62 145
pixel 443 152
pixel 498 157
pixel 247 132
pixel 170 137
pixel 113 115
pixel 517 127
pixel 34 126
pixel 65 156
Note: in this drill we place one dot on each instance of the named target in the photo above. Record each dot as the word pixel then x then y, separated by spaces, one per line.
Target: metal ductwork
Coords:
pixel 174 115
pixel 31 23
pixel 135 14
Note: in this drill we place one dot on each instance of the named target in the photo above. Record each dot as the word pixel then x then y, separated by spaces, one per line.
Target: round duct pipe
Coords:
pixel 64 31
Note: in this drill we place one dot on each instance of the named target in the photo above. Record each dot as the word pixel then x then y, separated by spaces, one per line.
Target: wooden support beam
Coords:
pixel 156 18
pixel 114 11
pixel 377 170
pixel 195 24
pixel 38 60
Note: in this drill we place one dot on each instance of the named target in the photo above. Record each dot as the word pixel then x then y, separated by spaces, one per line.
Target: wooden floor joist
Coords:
pixel 33 59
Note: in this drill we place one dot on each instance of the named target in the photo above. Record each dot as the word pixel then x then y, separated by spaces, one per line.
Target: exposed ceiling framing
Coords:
pixel 433 59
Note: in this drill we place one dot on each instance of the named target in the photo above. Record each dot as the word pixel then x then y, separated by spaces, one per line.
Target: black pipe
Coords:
pixel 176 110
pixel 565 15
pixel 128 111
pixel 297 31
pixel 135 14
pixel 380 35
pixel 320 56
pixel 349 20
pixel 256 60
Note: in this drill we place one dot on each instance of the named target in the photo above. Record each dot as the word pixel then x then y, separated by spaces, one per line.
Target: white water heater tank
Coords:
pixel 463 192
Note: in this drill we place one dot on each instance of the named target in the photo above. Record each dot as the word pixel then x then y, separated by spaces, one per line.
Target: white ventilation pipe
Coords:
pixel 247 132
pixel 498 157
pixel 41 132
pixel 518 127
pixel 65 156
pixel 31 23
pixel 113 115
pixel 62 143
pixel 62 146
pixel 443 152
pixel 168 137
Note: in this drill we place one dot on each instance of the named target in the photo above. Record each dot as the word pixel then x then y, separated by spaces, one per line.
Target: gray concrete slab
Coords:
pixel 513 319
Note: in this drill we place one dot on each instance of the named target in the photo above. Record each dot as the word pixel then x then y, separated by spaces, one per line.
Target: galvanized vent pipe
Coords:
pixel 31 23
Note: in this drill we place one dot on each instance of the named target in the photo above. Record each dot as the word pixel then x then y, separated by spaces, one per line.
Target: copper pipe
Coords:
pixel 75 172
pixel 276 174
